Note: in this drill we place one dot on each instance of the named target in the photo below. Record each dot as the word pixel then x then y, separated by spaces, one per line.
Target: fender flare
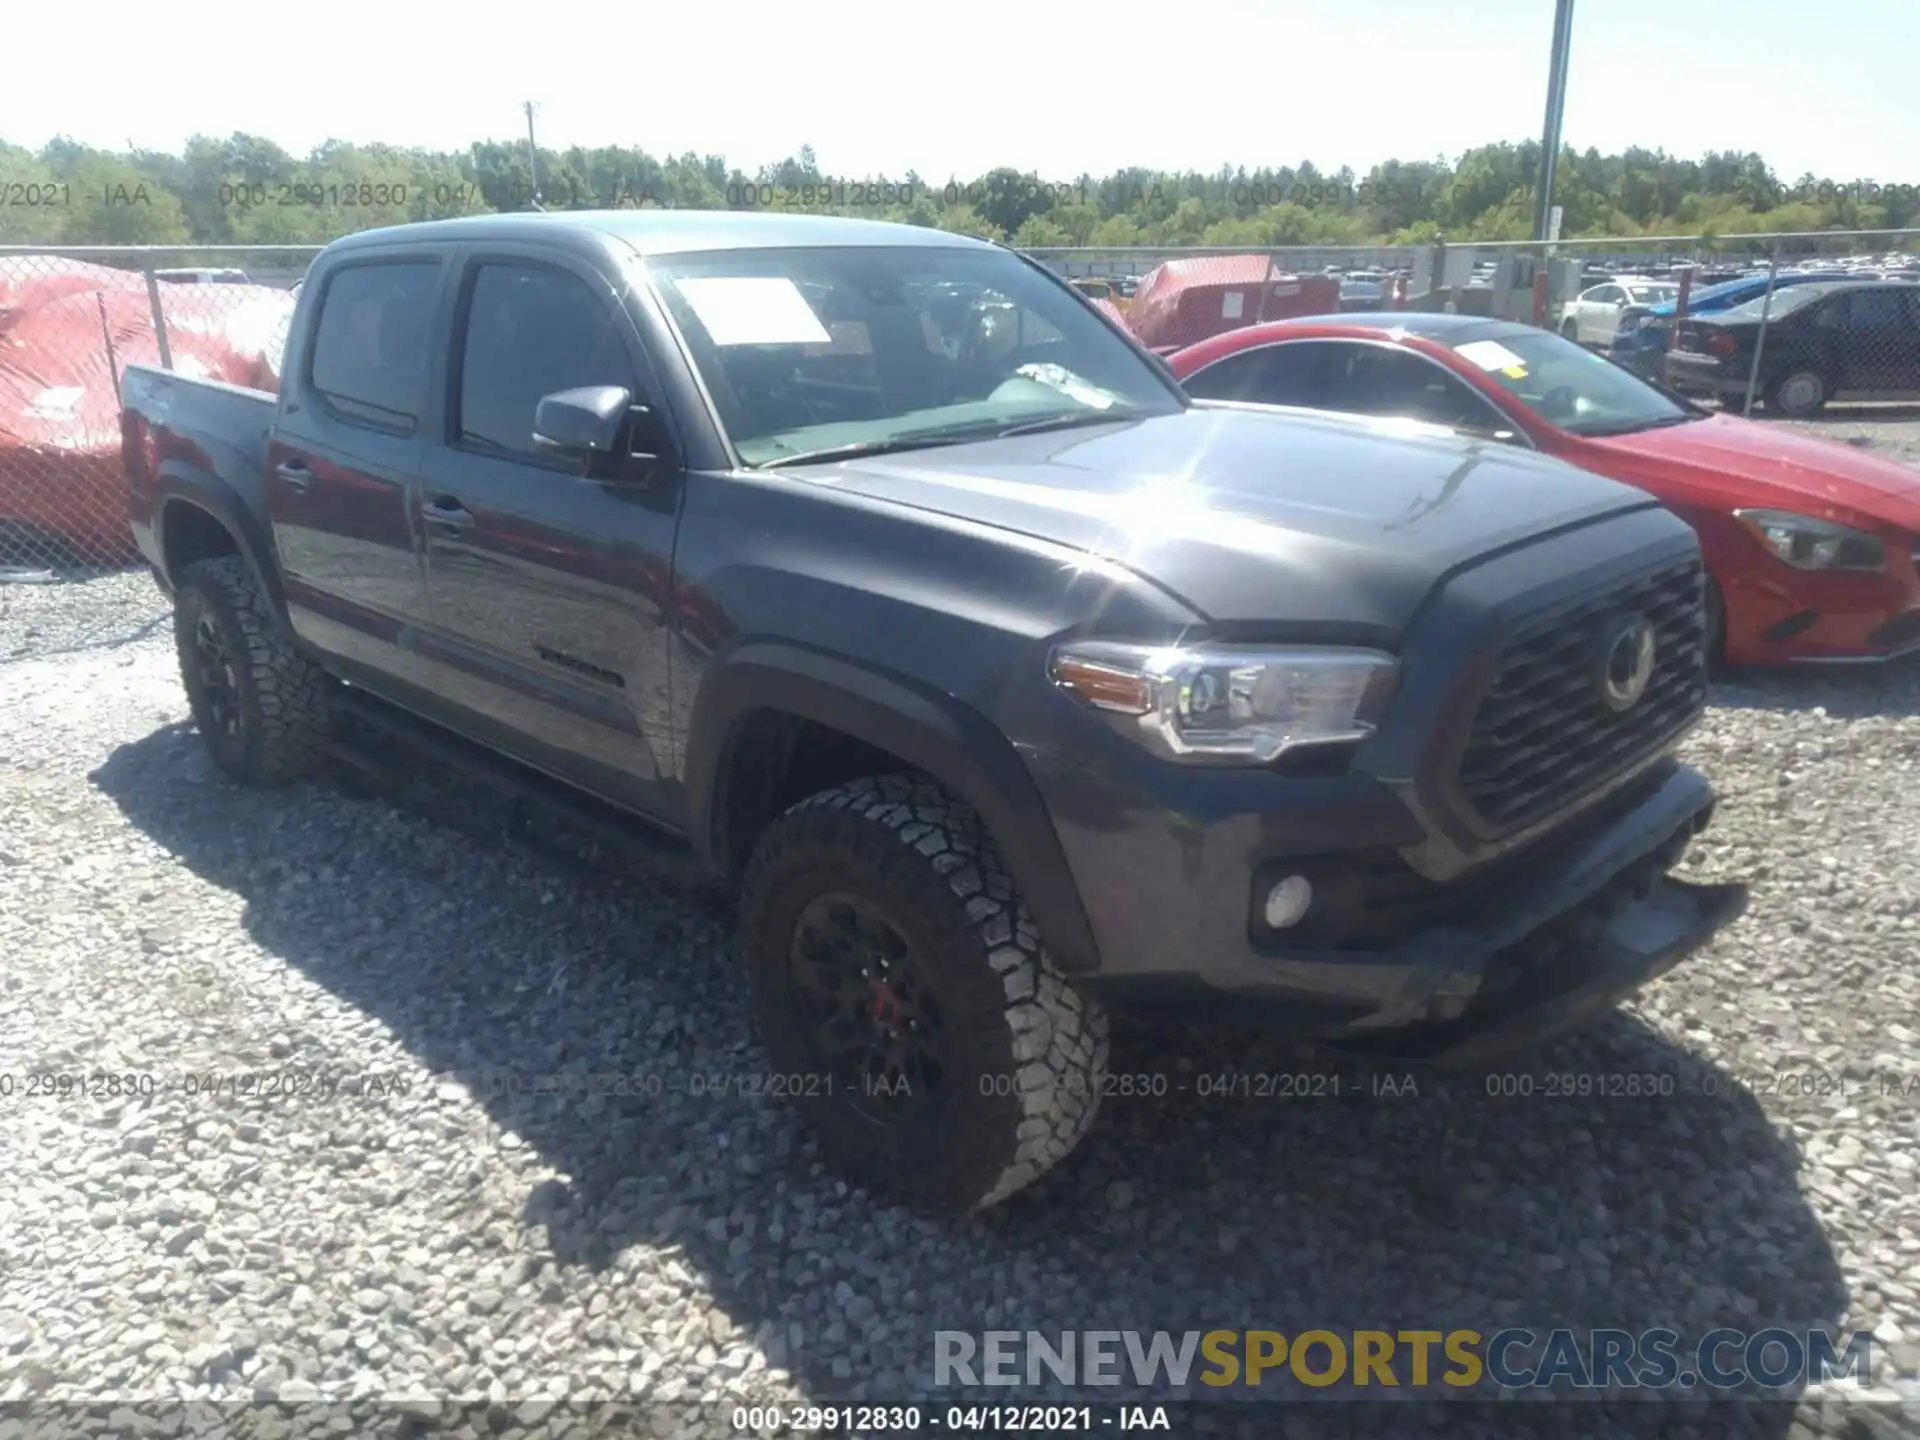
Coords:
pixel 179 484
pixel 933 733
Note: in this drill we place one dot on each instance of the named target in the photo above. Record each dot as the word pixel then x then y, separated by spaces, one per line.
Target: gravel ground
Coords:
pixel 412 1223
pixel 1889 430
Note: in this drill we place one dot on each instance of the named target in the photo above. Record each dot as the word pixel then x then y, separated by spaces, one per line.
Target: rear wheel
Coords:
pixel 1798 394
pixel 264 711
pixel 902 993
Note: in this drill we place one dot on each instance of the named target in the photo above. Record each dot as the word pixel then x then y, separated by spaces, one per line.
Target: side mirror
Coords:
pixel 586 421
pixel 615 439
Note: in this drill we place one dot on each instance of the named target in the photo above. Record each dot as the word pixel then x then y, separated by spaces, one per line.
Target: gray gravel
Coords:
pixel 411 1223
pixel 1889 430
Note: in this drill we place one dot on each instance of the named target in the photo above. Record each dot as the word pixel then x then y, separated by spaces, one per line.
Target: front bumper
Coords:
pixel 1563 934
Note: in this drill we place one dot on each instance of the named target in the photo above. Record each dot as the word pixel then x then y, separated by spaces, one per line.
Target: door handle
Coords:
pixel 295 473
pixel 447 514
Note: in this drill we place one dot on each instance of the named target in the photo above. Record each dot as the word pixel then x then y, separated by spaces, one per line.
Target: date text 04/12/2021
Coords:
pixel 966 1419
pixel 142 1087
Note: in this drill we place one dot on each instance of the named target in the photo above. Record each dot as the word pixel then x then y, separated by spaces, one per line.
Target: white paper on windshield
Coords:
pixel 754 310
pixel 1059 378
pixel 1492 355
pixel 1232 305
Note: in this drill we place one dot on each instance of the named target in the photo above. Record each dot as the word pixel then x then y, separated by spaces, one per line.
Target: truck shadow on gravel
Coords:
pixel 1215 1195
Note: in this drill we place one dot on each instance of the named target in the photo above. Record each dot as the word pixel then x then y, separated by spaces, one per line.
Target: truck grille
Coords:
pixel 1543 735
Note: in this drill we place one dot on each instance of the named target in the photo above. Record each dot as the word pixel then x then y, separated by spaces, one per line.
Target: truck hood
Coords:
pixel 1256 513
pixel 1756 463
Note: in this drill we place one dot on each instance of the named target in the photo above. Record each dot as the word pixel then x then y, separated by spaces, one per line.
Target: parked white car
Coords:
pixel 1593 317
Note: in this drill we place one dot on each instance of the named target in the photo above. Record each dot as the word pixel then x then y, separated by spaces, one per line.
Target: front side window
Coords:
pixel 1383 380
pixel 369 359
pixel 1567 384
pixel 1266 375
pixel 816 349
pixel 531 330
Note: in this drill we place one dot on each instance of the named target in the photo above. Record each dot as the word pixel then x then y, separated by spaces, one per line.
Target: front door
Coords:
pixel 1879 345
pixel 548 590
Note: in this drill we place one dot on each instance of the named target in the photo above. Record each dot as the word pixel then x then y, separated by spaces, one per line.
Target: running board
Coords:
pixel 626 835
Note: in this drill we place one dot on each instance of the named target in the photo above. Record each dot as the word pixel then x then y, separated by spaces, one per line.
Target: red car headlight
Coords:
pixel 1809 544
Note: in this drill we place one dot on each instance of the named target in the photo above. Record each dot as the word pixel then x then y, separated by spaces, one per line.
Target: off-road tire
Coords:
pixel 1031 1051
pixel 285 701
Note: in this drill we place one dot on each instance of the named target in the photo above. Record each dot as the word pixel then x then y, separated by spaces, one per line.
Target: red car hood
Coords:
pixel 1763 463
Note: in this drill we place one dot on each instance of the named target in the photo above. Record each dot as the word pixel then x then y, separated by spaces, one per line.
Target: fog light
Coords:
pixel 1287 902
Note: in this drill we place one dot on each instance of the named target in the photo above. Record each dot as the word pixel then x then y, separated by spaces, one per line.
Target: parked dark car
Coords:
pixel 1645 334
pixel 1830 341
pixel 1006 681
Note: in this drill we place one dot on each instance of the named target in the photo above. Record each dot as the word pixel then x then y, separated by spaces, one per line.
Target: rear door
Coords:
pixel 1601 319
pixel 344 454
pixel 548 590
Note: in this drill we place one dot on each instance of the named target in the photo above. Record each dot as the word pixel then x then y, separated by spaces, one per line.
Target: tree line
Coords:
pixel 245 189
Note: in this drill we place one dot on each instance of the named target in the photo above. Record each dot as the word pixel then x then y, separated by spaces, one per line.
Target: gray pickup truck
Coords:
pixel 877 569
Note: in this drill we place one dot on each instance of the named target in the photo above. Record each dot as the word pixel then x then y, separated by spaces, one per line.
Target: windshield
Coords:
pixel 1785 302
pixel 854 348
pixel 1569 385
pixel 1652 294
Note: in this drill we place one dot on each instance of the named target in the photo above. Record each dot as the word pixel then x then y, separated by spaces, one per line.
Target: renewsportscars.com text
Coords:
pixel 1516 1359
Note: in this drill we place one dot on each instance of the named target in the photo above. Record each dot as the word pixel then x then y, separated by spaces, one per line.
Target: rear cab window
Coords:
pixel 370 355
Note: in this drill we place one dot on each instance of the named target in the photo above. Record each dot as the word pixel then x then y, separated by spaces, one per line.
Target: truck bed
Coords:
pixel 170 421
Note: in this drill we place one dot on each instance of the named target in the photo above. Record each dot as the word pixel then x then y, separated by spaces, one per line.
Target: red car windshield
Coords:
pixel 1569 386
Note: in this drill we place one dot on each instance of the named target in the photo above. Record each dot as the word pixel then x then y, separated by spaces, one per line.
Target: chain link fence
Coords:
pixel 70 322
pixel 1816 328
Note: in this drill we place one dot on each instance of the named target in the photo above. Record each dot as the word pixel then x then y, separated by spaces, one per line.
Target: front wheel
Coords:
pixel 1570 330
pixel 904 997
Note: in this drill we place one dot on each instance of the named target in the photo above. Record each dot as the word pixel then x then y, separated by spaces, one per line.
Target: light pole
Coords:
pixel 533 154
pixel 1556 112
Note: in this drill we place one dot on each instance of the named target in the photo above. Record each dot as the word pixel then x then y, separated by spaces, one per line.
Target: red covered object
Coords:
pixel 60 321
pixel 1182 302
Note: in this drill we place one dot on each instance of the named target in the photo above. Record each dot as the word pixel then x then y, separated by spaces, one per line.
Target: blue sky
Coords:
pixel 946 87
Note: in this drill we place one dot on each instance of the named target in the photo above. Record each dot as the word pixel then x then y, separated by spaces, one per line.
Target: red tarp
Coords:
pixel 1182 302
pixel 60 474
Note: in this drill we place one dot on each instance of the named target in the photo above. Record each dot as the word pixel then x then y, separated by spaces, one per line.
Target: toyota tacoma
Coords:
pixel 877 570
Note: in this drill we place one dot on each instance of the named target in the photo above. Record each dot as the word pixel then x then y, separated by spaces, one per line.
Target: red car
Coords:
pixel 1813 548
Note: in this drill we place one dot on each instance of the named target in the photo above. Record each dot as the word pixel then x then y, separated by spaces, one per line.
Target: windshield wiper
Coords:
pixel 856 449
pixel 1070 421
pixel 929 439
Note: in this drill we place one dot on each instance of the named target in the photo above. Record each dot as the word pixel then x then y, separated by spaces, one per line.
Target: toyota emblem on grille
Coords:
pixel 1626 663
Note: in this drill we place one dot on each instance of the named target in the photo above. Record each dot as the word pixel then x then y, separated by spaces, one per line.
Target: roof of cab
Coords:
pixel 668 232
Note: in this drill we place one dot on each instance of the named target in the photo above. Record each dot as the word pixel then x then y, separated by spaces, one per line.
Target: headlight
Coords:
pixel 1810 544
pixel 1245 705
